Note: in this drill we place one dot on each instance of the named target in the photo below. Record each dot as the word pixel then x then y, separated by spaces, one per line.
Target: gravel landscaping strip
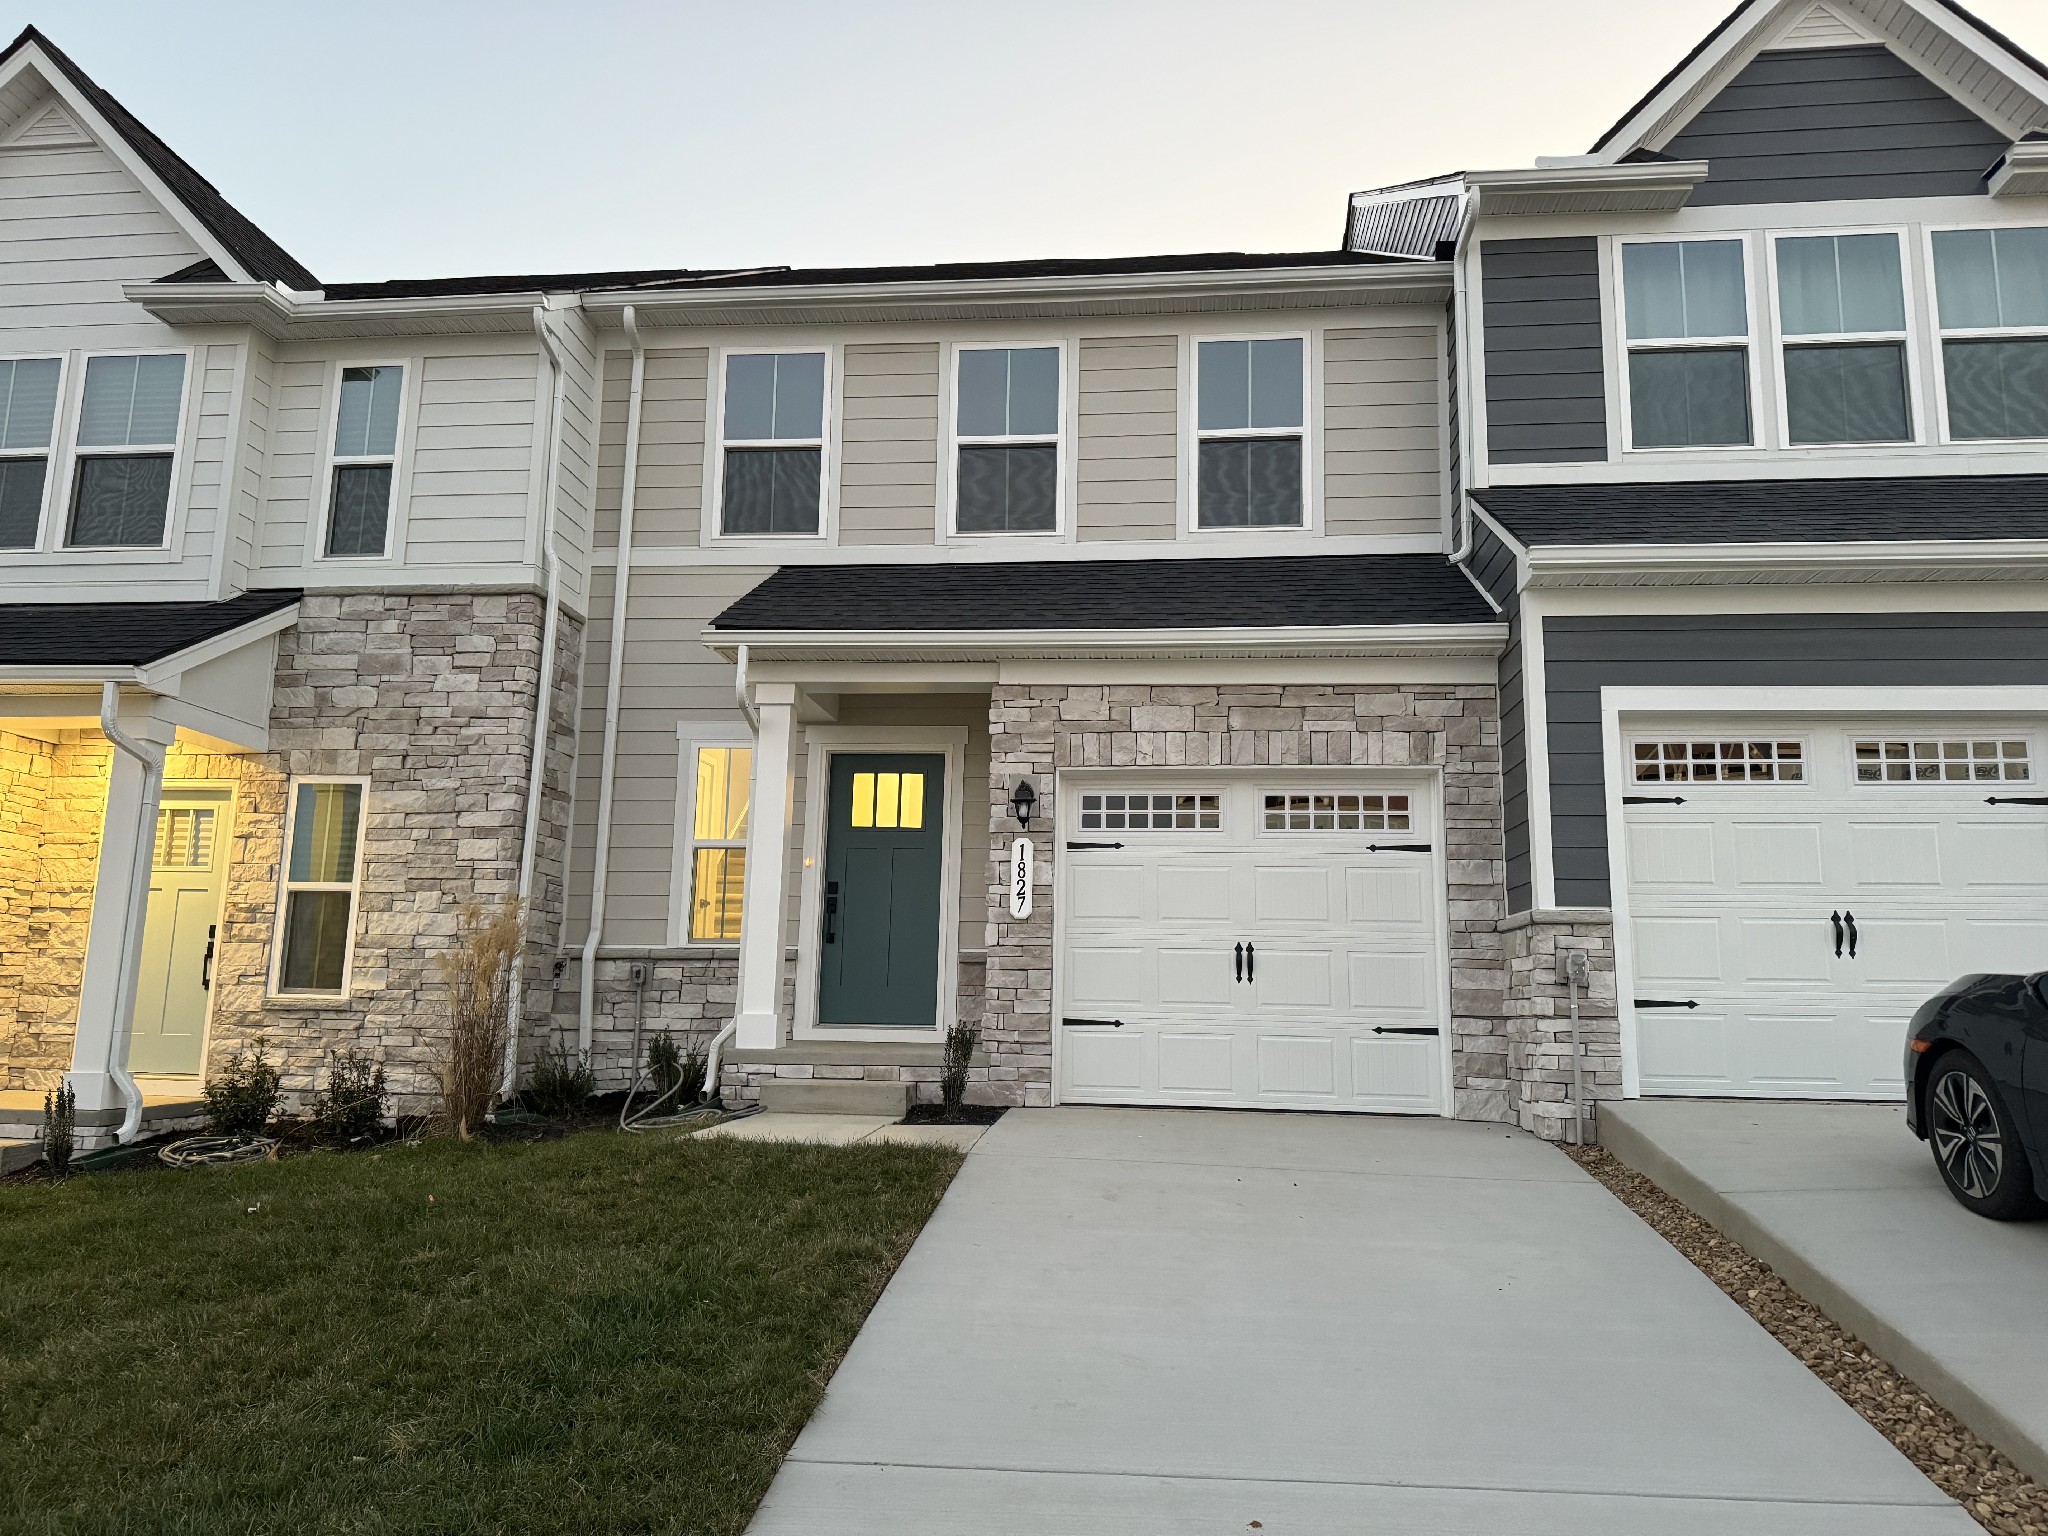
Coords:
pixel 1996 1493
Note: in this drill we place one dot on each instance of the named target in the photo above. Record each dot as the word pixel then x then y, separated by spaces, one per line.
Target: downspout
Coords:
pixel 615 665
pixel 117 1069
pixel 544 691
pixel 1461 322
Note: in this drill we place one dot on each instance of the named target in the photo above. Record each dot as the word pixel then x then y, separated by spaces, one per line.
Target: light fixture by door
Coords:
pixel 1023 801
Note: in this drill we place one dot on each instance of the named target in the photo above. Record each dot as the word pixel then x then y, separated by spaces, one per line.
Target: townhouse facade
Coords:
pixel 1599 602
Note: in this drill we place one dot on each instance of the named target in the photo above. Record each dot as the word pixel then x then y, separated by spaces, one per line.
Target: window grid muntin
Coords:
pixel 1718 761
pixel 1336 811
pixel 1123 811
pixel 1943 760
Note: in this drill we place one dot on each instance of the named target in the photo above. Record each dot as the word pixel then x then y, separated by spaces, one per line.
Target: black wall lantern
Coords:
pixel 1023 801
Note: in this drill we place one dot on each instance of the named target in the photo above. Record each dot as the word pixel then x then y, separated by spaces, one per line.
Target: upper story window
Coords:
pixel 365 451
pixel 28 412
pixel 127 444
pixel 1991 288
pixel 1842 314
pixel 1687 318
pixel 1007 432
pixel 1248 430
pixel 774 443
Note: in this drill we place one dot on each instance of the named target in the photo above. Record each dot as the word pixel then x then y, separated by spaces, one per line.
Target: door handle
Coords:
pixel 1403 1029
pixel 1250 962
pixel 1667 1002
pixel 1237 963
pixel 1850 919
pixel 206 960
pixel 1836 919
pixel 831 911
pixel 1096 1023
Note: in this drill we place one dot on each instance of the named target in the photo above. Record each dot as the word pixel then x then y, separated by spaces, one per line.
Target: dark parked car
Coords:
pixel 1977 1091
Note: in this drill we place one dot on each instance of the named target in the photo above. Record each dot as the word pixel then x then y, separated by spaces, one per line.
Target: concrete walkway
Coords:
pixel 1160 1322
pixel 1844 1202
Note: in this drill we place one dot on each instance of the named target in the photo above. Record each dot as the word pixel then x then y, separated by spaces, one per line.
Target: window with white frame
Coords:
pixel 774 443
pixel 1991 291
pixel 127 443
pixel 28 413
pixel 365 455
pixel 719 780
pixel 1249 415
pixel 1198 812
pixel 1686 317
pixel 1006 431
pixel 1322 811
pixel 1720 762
pixel 1972 761
pixel 323 863
pixel 1842 317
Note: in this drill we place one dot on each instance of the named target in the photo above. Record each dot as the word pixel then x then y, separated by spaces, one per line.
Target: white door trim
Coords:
pixel 821 744
pixel 1617 702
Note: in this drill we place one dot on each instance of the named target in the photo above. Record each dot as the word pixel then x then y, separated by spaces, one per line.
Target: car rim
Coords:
pixel 1966 1136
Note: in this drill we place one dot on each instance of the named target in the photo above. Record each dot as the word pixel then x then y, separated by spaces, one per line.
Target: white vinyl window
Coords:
pixel 323 869
pixel 1250 414
pixel 1842 323
pixel 1686 313
pixel 28 415
pixel 1991 291
pixel 1973 761
pixel 126 450
pixel 1720 762
pixel 359 482
pixel 1006 436
pixel 773 444
pixel 717 785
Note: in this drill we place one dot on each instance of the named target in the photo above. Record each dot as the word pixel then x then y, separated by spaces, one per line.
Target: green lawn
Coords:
pixel 605 1333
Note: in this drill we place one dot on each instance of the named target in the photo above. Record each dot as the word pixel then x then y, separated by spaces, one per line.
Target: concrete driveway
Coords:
pixel 1154 1321
pixel 1845 1203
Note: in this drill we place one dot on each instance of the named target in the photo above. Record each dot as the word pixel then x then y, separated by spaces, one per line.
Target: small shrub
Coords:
pixel 242 1096
pixel 478 971
pixel 60 1117
pixel 351 1106
pixel 664 1066
pixel 693 1074
pixel 562 1084
pixel 961 1039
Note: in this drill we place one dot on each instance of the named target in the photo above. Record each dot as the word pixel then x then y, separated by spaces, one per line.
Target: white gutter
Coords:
pixel 131 920
pixel 544 690
pixel 615 666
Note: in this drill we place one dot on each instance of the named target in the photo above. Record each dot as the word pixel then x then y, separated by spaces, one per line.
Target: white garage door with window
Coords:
pixel 1796 889
pixel 1274 942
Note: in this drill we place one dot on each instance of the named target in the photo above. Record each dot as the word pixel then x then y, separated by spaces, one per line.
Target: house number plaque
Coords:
pixel 1020 877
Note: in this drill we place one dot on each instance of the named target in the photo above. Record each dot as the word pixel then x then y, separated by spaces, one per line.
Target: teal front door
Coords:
pixel 879 941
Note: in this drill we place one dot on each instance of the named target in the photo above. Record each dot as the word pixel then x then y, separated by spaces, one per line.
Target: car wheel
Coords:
pixel 1980 1158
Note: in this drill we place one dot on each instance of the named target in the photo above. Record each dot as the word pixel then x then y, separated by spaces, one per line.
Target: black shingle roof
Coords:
pixel 265 259
pixel 122 634
pixel 1774 511
pixel 1251 592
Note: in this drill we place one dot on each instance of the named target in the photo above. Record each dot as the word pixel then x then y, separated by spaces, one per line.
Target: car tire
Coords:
pixel 1976 1149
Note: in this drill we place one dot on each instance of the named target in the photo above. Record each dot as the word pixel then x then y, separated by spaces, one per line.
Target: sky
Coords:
pixel 442 137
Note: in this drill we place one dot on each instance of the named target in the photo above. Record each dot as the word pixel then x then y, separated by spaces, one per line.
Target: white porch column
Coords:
pixel 771 816
pixel 120 900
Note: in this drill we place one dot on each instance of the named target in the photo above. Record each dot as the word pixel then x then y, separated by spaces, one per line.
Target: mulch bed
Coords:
pixel 970 1114
pixel 1989 1487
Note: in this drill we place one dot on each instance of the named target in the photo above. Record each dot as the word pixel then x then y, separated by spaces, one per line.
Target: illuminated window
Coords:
pixel 718 836
pixel 184 838
pixel 1942 762
pixel 888 800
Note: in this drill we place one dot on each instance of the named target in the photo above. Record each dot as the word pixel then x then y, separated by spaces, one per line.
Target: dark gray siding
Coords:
pixel 1546 393
pixel 1819 124
pixel 1584 655
pixel 1493 563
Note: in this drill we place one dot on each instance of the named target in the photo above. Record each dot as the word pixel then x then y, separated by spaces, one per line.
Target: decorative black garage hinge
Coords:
pixel 2016 799
pixel 1660 1002
pixel 1097 1023
pixel 1653 799
pixel 1398 847
pixel 1404 1029
pixel 1094 845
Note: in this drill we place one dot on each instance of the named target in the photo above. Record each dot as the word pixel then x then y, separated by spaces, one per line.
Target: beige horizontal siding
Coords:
pixel 1382 459
pixel 888 435
pixel 669 497
pixel 1127 465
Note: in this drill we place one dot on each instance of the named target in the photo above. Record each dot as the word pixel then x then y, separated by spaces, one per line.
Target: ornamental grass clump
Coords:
pixel 477 971
pixel 242 1096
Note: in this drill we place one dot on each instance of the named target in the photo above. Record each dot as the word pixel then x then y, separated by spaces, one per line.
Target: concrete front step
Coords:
pixel 832 1096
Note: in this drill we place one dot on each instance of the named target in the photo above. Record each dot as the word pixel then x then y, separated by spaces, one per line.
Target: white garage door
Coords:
pixel 1252 943
pixel 1796 890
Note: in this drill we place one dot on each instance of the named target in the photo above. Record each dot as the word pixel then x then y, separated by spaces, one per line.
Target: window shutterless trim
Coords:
pixel 400 458
pixel 1617 316
pixel 1060 439
pixel 1195 435
pixel 286 885
pixel 711 524
pixel 1907 339
pixel 71 413
pixel 693 736
pixel 1941 335
pixel 52 456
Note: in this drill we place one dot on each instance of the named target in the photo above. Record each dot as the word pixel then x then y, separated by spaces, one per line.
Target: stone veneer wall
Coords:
pixel 1038 729
pixel 34 1037
pixel 1538 1007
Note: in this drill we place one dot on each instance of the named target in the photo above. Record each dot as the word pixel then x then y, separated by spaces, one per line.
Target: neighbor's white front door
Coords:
pixel 180 934
pixel 1256 942
pixel 1818 883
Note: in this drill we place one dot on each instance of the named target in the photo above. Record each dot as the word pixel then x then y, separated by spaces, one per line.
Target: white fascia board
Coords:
pixel 1741 33
pixel 1868 560
pixel 1972 37
pixel 1417 280
pixel 286 317
pixel 27 679
pixel 161 676
pixel 1051 644
pixel 1654 187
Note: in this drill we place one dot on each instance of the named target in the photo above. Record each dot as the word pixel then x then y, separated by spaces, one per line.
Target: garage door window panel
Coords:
pixel 1336 812
pixel 1948 760
pixel 1196 812
pixel 1719 761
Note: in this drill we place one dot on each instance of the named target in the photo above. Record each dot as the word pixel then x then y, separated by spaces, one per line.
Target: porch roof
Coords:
pixel 123 634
